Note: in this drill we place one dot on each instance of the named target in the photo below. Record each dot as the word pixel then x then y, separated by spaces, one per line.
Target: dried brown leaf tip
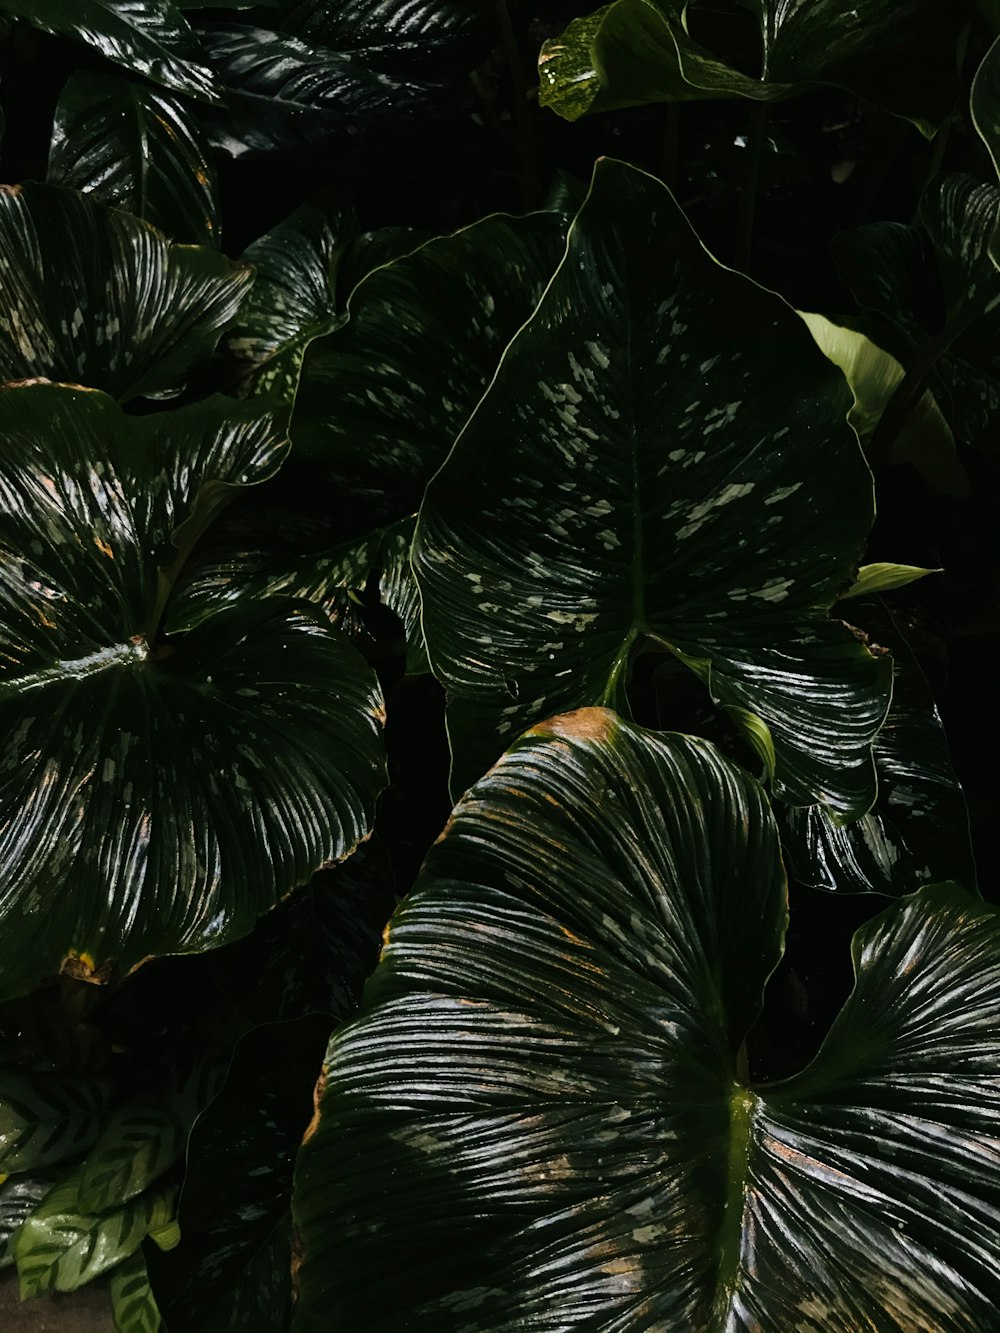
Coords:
pixel 583 724
pixel 82 967
pixel 318 1091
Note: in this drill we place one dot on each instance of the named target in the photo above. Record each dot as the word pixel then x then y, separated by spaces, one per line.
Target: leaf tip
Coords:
pixel 583 724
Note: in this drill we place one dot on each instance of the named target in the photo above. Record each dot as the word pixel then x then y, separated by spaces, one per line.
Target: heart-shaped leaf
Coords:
pixel 137 148
pixel 545 1082
pixel 173 791
pixel 635 471
pixel 95 296
pixel 148 37
pixel 635 51
pixel 233 1267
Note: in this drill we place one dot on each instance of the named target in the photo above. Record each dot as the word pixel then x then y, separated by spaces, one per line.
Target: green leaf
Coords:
pixel 429 39
pixel 314 951
pixel 918 830
pixel 924 439
pixel 139 1143
pixel 98 297
pixel 884 577
pixel 62 1246
pixel 985 99
pixel 132 1305
pixel 544 1080
pixel 635 471
pixel 148 37
pixel 137 148
pixel 19 1197
pixel 381 399
pixel 232 1268
pixel 939 294
pixel 46 1118
pixel 399 591
pixel 176 790
pixel 283 93
pixel 630 52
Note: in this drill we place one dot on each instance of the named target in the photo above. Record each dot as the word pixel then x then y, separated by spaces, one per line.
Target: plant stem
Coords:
pixel 748 194
pixel 522 120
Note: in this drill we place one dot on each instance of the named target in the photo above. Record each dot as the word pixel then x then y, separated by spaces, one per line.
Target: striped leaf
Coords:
pixel 46 1118
pixel 140 1141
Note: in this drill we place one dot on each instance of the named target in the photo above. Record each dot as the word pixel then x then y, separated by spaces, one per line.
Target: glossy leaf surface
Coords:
pixel 133 1307
pixel 140 1141
pixel 148 37
pixel 137 148
pixel 634 471
pixel 46 1118
pixel 98 297
pixel 19 1197
pixel 918 830
pixel 381 400
pixel 232 1269
pixel 939 292
pixel 62 1246
pixel 544 1080
pixel 213 773
pixel 636 51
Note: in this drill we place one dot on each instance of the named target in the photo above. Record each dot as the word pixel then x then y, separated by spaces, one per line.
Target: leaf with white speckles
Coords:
pixel 139 148
pixel 545 1080
pixel 901 54
pixel 95 296
pixel 149 37
pixel 233 1267
pixel 173 791
pixel 635 470
pixel 381 400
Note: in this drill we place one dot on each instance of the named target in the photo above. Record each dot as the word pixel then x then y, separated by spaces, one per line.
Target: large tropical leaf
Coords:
pixel 148 37
pixel 902 55
pixel 62 1245
pixel 140 1142
pixel 282 93
pixel 636 471
pixel 19 1197
pixel 918 830
pixel 546 1085
pixel 433 40
pixel 46 1118
pixel 937 290
pixel 138 148
pixel 382 398
pixel 95 296
pixel 233 1267
pixel 172 791
pixel 132 1304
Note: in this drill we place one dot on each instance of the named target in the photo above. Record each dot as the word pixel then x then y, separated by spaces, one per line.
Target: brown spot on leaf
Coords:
pixel 583 724
pixel 318 1091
